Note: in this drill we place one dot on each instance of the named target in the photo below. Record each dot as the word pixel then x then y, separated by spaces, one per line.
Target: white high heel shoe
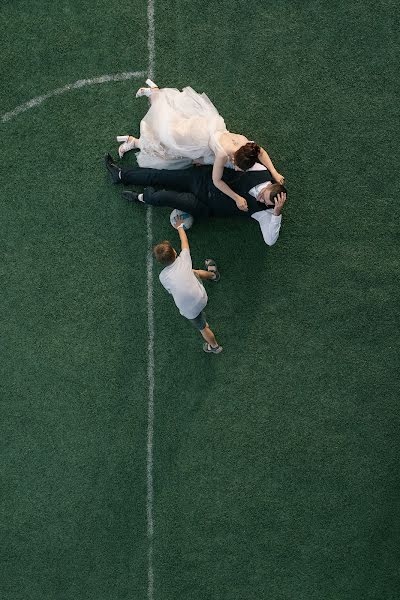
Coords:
pixel 151 83
pixel 126 146
pixel 143 91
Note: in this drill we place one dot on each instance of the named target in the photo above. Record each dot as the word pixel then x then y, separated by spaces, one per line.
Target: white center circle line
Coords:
pixel 34 102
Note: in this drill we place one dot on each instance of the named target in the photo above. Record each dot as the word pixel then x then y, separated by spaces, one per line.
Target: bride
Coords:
pixel 182 128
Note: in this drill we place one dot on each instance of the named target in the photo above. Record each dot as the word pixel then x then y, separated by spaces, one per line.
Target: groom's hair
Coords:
pixel 275 189
pixel 164 253
pixel 247 156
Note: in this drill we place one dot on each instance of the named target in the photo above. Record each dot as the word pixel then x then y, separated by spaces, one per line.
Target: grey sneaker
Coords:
pixel 212 268
pixel 208 348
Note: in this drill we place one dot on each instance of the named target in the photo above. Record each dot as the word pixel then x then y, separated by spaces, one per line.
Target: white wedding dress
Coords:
pixel 178 128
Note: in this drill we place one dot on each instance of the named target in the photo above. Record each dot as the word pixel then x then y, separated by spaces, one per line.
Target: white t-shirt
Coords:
pixel 180 281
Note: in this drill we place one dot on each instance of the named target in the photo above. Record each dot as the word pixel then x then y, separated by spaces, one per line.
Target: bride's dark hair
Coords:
pixel 246 156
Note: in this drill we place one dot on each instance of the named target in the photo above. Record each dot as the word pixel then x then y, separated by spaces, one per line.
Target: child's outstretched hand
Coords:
pixel 179 221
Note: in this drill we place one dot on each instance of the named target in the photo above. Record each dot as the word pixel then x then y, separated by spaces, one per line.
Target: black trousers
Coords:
pixel 182 192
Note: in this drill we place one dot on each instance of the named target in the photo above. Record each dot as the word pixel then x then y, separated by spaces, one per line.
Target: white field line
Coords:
pixel 151 37
pixel 150 324
pixel 150 410
pixel 34 102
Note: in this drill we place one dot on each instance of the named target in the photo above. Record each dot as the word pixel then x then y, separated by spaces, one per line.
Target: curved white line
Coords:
pixel 70 86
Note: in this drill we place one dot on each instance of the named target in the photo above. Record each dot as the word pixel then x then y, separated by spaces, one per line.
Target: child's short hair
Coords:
pixel 164 253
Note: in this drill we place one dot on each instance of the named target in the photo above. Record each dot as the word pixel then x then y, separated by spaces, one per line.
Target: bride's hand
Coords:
pixel 278 178
pixel 241 204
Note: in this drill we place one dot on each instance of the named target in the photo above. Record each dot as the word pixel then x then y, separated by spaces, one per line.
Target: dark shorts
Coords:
pixel 200 321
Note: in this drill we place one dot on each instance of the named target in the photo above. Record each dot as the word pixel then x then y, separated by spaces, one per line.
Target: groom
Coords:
pixel 192 190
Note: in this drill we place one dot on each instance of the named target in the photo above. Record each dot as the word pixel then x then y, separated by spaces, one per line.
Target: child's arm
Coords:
pixel 182 234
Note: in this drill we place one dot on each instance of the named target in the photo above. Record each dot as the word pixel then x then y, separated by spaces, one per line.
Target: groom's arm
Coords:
pixel 270 223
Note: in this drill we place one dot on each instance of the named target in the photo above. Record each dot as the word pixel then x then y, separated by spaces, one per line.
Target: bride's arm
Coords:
pixel 267 162
pixel 217 172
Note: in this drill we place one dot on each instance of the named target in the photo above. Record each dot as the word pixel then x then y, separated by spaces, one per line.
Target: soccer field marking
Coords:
pixel 150 348
pixel 150 410
pixel 34 102
pixel 151 45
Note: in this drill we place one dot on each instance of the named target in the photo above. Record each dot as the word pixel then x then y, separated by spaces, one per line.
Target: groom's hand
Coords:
pixel 279 202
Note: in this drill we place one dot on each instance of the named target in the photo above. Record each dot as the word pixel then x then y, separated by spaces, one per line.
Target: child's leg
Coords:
pixel 204 274
pixel 209 336
pixel 211 273
pixel 203 327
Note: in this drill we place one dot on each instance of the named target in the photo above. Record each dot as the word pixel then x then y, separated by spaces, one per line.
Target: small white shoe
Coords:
pixel 126 146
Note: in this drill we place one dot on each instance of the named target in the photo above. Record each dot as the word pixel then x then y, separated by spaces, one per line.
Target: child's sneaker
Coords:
pixel 208 348
pixel 212 268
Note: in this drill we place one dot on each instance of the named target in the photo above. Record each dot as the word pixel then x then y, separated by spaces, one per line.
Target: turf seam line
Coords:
pixel 150 322
pixel 34 102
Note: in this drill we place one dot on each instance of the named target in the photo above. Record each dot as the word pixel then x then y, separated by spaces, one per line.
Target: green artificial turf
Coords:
pixel 275 463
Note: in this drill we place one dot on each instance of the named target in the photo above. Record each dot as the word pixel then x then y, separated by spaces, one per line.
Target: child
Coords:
pixel 184 283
